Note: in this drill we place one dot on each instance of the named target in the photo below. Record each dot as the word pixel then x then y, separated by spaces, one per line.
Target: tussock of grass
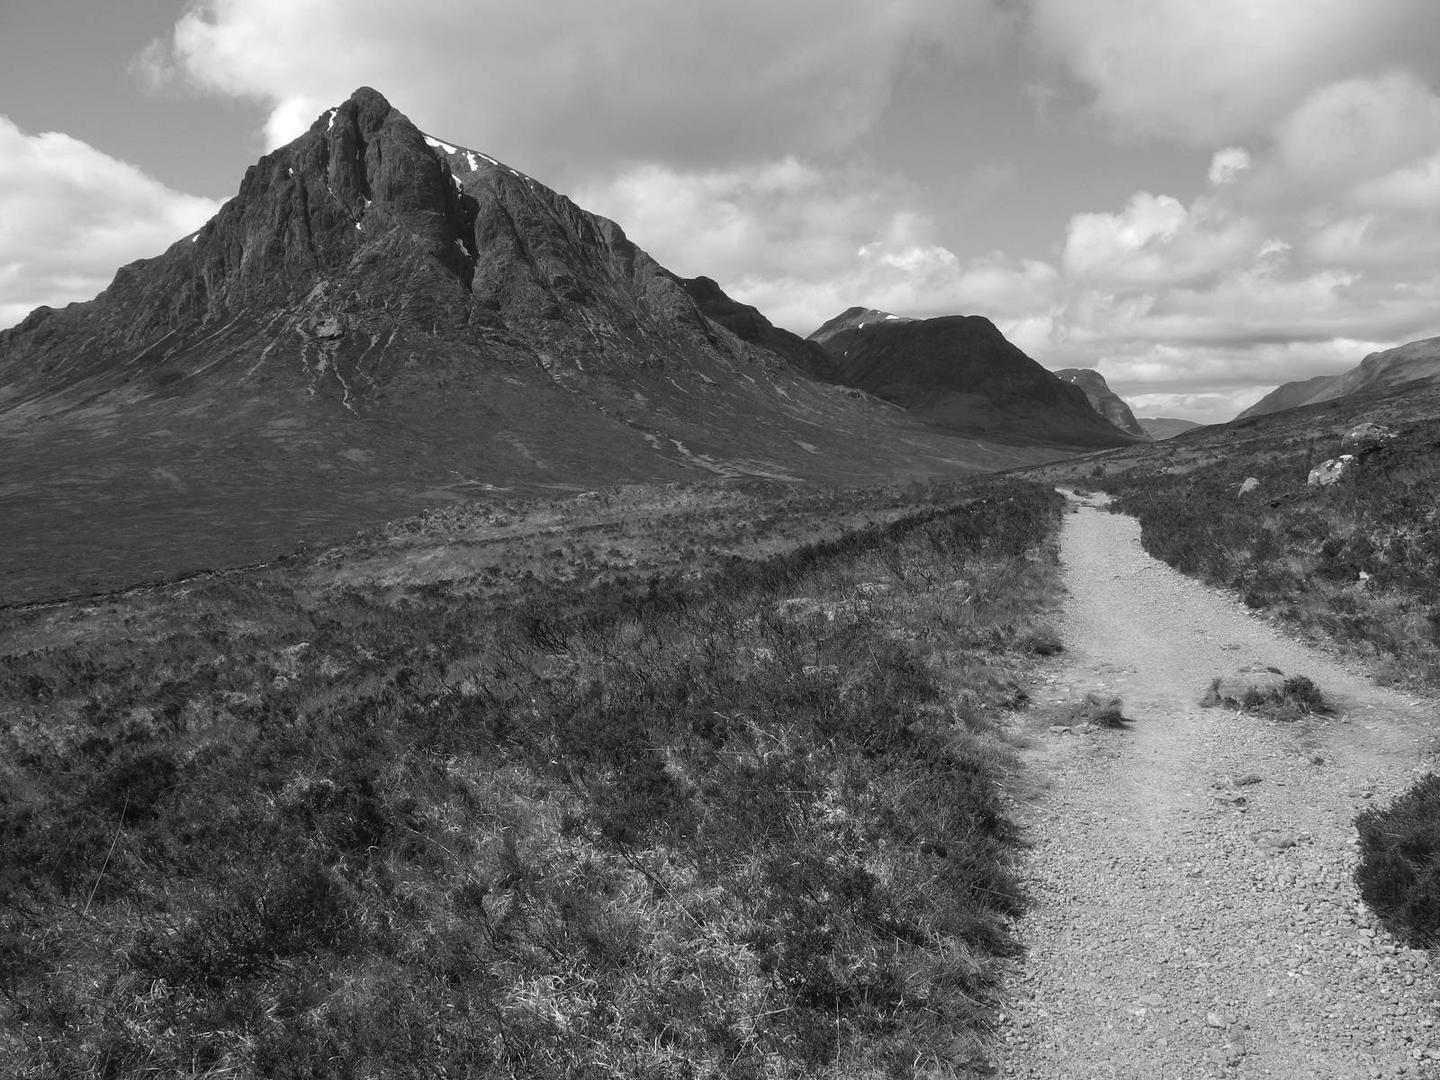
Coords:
pixel 1399 870
pixel 1100 710
pixel 1289 698
pixel 654 826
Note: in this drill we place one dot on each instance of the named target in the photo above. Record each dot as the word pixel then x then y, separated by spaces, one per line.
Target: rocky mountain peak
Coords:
pixel 1104 400
pixel 854 318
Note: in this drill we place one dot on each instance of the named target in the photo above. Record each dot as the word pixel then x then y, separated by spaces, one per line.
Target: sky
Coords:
pixel 1199 200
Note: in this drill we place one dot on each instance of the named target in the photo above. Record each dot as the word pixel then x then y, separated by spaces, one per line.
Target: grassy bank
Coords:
pixel 739 817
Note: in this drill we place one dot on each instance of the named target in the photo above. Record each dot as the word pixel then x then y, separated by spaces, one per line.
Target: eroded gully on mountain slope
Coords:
pixel 1175 931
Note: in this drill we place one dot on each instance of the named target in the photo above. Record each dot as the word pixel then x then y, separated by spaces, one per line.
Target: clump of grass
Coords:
pixel 1399 871
pixel 1286 698
pixel 1100 710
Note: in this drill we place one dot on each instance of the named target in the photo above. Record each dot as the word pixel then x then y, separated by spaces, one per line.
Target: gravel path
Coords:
pixel 1194 911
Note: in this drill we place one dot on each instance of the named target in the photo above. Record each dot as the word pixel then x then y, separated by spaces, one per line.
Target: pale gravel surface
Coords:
pixel 1172 933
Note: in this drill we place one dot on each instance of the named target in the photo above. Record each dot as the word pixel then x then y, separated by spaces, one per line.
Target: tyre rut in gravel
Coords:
pixel 1193 911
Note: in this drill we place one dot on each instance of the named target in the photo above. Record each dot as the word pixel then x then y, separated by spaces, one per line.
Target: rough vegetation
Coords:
pixel 1399 872
pixel 1357 561
pixel 1099 710
pixel 1267 691
pixel 743 820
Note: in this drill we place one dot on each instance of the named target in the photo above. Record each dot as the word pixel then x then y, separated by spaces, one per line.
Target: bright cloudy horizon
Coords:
pixel 1199 201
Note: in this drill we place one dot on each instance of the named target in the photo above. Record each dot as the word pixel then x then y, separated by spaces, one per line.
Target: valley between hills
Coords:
pixel 437 640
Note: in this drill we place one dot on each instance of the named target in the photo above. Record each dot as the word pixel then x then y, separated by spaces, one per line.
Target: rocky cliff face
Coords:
pixel 855 318
pixel 1415 362
pixel 1103 400
pixel 748 324
pixel 959 372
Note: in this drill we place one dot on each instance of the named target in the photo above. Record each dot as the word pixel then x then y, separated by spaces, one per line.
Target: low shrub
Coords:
pixel 1280 698
pixel 1399 871
pixel 1101 710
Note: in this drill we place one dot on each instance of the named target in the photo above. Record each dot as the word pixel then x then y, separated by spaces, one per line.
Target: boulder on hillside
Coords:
pixel 1250 484
pixel 1366 437
pixel 1330 472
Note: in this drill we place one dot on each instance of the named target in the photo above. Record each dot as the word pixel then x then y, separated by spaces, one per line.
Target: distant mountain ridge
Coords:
pixel 1413 362
pixel 959 372
pixel 1104 400
pixel 1166 427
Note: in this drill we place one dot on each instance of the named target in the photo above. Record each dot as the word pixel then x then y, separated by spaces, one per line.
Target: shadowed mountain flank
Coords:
pixel 1380 372
pixel 958 372
pixel 1104 400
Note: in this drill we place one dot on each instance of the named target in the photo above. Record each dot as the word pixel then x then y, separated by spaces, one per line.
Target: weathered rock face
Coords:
pixel 342 249
pixel 748 324
pixel 1104 400
pixel 1330 472
pixel 1363 438
pixel 960 372
pixel 855 318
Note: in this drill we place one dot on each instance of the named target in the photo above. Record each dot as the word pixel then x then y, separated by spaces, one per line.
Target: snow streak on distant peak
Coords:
pixel 472 158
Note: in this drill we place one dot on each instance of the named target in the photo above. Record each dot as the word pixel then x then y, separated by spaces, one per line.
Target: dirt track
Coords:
pixel 1186 925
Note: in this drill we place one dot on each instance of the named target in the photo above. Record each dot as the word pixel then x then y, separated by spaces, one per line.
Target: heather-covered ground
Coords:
pixel 419 808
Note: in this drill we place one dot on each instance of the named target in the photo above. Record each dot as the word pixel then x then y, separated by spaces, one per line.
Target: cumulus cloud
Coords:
pixel 1211 72
pixel 1156 240
pixel 1227 165
pixel 1359 128
pixel 803 243
pixel 571 80
pixel 70 215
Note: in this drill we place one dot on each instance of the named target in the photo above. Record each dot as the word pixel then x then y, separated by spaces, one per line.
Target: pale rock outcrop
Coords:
pixel 1330 472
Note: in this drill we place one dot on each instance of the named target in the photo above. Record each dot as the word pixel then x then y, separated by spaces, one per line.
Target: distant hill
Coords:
pixel 1166 427
pixel 1415 362
pixel 959 372
pixel 1104 400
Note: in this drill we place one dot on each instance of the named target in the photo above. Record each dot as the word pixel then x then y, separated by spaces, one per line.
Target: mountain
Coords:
pixel 855 318
pixel 746 323
pixel 958 372
pixel 1380 372
pixel 1166 427
pixel 1103 400
pixel 379 321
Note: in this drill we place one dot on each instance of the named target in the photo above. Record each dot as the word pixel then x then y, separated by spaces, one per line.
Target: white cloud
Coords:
pixel 549 84
pixel 1224 69
pixel 1357 129
pixel 803 243
pixel 70 215
pixel 1227 165
pixel 1414 186
pixel 1156 240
